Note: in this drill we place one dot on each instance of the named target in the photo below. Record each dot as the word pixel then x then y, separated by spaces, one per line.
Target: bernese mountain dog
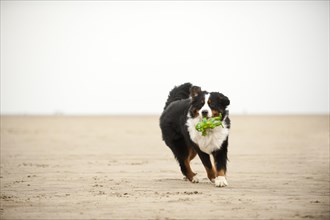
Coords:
pixel 186 106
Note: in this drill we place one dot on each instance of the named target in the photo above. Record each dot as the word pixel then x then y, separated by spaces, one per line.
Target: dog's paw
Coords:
pixel 220 181
pixel 193 180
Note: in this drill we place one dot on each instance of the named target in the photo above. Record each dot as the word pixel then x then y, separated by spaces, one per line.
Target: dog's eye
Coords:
pixel 209 102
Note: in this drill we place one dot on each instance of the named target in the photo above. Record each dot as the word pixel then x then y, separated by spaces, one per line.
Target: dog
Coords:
pixel 186 106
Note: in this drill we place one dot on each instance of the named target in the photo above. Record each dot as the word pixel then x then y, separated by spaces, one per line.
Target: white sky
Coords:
pixel 112 57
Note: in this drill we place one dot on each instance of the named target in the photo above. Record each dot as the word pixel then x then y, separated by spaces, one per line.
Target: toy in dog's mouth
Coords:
pixel 207 124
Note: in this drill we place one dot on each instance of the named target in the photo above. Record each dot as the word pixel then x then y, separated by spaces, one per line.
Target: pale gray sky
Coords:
pixel 111 57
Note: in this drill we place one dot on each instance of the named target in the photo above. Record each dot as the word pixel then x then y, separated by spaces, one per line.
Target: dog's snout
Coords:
pixel 205 113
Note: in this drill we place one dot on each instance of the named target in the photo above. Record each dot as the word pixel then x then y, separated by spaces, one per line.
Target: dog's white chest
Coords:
pixel 212 141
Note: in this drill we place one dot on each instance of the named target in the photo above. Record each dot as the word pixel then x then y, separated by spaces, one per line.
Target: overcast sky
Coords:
pixel 109 57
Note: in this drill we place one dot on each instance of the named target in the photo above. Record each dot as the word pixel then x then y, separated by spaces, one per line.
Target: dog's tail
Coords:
pixel 178 93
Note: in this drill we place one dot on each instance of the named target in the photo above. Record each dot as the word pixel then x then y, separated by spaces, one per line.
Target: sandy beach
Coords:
pixel 118 167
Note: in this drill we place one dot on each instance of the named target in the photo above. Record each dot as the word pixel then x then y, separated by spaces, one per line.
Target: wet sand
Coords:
pixel 118 168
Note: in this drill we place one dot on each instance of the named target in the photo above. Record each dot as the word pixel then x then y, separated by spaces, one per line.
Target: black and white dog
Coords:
pixel 185 107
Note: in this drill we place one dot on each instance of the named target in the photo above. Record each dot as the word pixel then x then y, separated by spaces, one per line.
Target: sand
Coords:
pixel 117 167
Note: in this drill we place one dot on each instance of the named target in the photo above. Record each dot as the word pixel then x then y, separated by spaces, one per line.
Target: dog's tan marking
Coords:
pixel 190 173
pixel 215 113
pixel 210 173
pixel 221 172
pixel 192 153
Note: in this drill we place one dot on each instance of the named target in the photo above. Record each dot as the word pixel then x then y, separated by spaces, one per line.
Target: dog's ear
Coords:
pixel 224 101
pixel 195 91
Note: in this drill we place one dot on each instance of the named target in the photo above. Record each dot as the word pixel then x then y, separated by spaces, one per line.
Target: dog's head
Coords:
pixel 207 105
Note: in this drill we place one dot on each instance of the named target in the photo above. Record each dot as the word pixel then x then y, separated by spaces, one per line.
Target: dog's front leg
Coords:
pixel 205 158
pixel 220 159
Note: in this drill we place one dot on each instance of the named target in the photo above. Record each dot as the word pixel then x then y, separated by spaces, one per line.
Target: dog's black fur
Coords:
pixel 183 104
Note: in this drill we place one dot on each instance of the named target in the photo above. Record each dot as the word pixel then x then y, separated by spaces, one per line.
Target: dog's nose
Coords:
pixel 205 113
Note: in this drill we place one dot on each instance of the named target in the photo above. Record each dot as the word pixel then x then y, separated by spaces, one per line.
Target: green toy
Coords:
pixel 204 125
